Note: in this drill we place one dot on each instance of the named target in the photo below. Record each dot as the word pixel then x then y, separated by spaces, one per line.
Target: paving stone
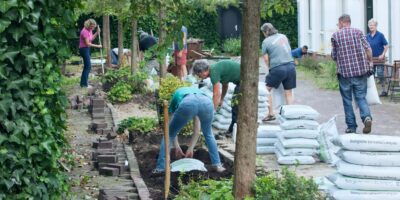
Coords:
pixel 111 135
pixel 96 110
pixel 97 125
pixel 102 145
pixel 107 158
pixel 97 153
pixel 121 167
pixel 108 171
pixel 106 131
pixel 98 116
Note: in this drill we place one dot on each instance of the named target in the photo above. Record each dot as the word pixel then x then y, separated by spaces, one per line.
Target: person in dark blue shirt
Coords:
pixel 379 46
pixel 298 53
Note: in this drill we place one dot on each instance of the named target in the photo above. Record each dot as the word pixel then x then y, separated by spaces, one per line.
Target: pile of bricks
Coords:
pixel 109 160
pixel 96 108
pixel 119 193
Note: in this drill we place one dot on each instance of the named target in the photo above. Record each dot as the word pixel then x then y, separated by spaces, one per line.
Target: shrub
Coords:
pixel 232 46
pixel 136 82
pixel 120 93
pixel 287 186
pixel 32 104
pixel 113 76
pixel 327 78
pixel 138 125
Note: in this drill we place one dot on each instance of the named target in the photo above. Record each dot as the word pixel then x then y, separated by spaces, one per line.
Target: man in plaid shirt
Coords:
pixel 350 50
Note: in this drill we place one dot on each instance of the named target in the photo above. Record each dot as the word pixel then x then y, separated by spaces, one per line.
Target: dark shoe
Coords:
pixel 367 125
pixel 269 118
pixel 349 130
pixel 157 172
pixel 383 94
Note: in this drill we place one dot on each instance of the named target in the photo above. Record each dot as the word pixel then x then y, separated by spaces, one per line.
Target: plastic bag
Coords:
pixel 298 142
pixel 298 124
pixel 187 164
pixel 265 150
pixel 269 131
pixel 298 112
pixel 388 159
pixel 349 183
pixel 372 172
pixel 338 194
pixel 328 131
pixel 292 160
pixel 358 142
pixel 300 133
pixel 295 151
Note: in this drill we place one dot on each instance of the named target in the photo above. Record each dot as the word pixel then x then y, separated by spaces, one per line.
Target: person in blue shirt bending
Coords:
pixel 298 53
pixel 379 46
pixel 187 103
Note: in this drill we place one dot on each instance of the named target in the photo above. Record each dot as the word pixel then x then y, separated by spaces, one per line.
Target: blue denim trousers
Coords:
pixel 87 66
pixel 192 105
pixel 356 86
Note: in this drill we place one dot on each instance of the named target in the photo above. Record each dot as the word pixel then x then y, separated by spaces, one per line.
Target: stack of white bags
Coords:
pixel 369 167
pixel 223 117
pixel 266 138
pixel 297 143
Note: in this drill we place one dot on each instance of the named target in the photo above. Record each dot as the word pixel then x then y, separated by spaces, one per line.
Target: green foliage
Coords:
pixel 322 71
pixel 283 20
pixel 168 87
pixel 138 125
pixel 120 93
pixel 232 46
pixel 125 81
pixel 207 189
pixel 288 186
pixel 33 38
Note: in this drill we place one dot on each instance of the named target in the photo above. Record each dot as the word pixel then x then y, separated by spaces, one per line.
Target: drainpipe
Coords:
pixel 390 28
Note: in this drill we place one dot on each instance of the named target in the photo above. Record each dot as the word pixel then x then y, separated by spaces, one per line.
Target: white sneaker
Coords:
pixel 218 168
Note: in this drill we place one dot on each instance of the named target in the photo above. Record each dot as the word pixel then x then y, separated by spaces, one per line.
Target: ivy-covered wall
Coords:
pixel 33 37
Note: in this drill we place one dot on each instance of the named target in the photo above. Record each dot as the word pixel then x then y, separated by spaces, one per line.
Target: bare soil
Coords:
pixel 146 148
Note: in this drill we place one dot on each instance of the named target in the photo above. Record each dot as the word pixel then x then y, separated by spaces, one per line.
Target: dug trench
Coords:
pixel 146 149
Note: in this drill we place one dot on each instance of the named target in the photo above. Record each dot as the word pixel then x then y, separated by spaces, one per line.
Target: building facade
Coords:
pixel 317 21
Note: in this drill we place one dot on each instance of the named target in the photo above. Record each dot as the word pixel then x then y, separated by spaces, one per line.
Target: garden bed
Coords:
pixel 146 148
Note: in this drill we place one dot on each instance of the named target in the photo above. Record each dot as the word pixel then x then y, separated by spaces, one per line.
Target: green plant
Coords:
pixel 207 189
pixel 32 104
pixel 323 72
pixel 287 186
pixel 311 63
pixel 232 46
pixel 113 76
pixel 168 87
pixel 120 93
pixel 139 125
pixel 136 82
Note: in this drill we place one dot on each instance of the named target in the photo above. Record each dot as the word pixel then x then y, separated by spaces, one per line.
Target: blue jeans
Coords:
pixel 87 66
pixel 192 105
pixel 356 86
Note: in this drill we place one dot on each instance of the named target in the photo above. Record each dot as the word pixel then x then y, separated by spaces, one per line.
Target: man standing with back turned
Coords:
pixel 350 50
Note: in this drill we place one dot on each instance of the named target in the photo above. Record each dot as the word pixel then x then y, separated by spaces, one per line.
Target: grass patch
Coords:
pixel 321 71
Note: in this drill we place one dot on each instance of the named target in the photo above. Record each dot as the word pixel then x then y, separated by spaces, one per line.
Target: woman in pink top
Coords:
pixel 85 42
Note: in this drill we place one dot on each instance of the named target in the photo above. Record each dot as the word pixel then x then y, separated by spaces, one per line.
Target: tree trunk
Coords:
pixel 161 40
pixel 245 153
pixel 134 53
pixel 106 39
pixel 120 43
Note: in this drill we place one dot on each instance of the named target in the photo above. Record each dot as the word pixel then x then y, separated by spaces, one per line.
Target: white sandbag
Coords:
pixel 293 160
pixel 222 119
pixel 262 89
pixel 231 88
pixel 298 112
pixel 262 99
pixel 263 110
pixel 262 104
pixel 268 131
pixel 388 159
pixel 266 141
pixel 265 150
pixel 220 126
pixel 328 131
pixel 228 96
pixel 227 107
pixel 300 133
pixel 337 194
pixel 295 151
pixel 225 113
pixel 358 142
pixel 298 142
pixel 349 183
pixel 372 93
pixel 372 172
pixel 298 124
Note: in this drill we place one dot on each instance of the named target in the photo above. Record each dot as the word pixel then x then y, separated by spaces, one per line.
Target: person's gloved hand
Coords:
pixel 184 29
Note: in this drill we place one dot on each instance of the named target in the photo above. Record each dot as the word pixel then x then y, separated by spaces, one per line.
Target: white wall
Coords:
pixel 324 16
